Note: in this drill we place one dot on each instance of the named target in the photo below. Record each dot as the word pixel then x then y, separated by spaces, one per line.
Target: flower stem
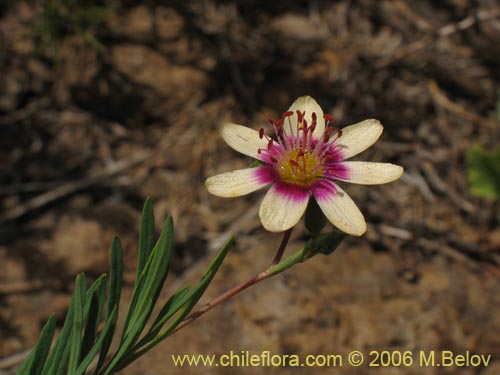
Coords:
pixel 282 247
pixel 271 271
pixel 221 298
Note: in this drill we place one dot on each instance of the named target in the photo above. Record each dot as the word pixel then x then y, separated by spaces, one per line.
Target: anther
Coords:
pixel 313 123
pixel 270 144
pixel 300 116
pixel 328 118
pixel 339 134
pixel 273 159
pixel 287 114
pixel 261 133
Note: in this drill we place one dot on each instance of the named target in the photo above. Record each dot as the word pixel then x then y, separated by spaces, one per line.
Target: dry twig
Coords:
pixel 72 187
pixel 442 100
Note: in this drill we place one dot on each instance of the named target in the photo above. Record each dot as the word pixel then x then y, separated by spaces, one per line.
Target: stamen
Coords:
pixel 297 154
pixel 261 133
pixel 300 117
pixel 328 118
pixel 304 138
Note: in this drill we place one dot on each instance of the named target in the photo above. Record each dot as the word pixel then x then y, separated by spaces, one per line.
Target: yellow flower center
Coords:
pixel 299 167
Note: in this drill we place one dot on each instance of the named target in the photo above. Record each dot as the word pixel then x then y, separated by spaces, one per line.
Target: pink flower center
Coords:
pixel 299 156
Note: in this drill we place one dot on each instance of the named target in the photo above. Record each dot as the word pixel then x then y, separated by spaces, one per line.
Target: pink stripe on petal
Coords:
pixel 333 152
pixel 336 171
pixel 339 208
pixel 283 206
pixel 267 155
pixel 291 191
pixel 266 174
pixel 324 189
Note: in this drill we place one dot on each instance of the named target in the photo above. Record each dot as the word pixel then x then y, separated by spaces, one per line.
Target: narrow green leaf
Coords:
pixel 82 367
pixel 198 291
pixel 152 278
pixel 146 236
pixel 96 286
pixel 114 295
pixel 25 365
pixel 192 298
pixel 39 354
pixel 128 342
pixel 61 367
pixel 76 332
pixel 169 309
pixel 94 303
pixel 138 288
pixel 56 361
pixel 115 275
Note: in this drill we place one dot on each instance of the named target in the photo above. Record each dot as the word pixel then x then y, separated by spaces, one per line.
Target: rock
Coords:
pixel 146 67
pixel 169 23
pixel 135 24
pixel 300 28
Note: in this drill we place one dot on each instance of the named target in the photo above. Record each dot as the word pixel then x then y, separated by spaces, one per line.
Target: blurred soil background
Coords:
pixel 105 103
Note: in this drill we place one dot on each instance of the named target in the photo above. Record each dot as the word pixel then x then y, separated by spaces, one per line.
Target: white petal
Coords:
pixel 339 208
pixel 243 139
pixel 308 105
pixel 236 183
pixel 283 206
pixel 366 173
pixel 358 137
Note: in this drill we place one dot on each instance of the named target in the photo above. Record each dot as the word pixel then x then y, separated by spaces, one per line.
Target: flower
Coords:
pixel 306 158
